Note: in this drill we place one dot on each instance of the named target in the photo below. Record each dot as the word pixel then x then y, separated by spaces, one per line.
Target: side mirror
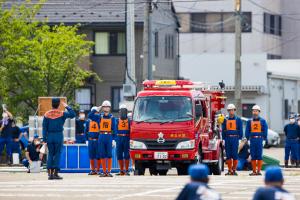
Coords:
pixel 198 110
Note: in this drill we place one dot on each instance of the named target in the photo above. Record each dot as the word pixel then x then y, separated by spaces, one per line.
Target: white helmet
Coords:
pixel 231 107
pixel 106 104
pixel 95 108
pixel 256 107
pixel 123 106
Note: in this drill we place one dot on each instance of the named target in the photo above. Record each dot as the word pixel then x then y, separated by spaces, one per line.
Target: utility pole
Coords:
pixel 147 40
pixel 238 52
pixel 130 42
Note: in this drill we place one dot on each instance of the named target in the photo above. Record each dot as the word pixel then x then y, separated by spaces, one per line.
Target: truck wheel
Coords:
pixel 216 169
pixel 182 170
pixel 139 169
pixel 153 171
pixel 162 172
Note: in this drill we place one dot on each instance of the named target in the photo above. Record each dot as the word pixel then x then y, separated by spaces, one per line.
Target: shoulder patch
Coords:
pixel 54 114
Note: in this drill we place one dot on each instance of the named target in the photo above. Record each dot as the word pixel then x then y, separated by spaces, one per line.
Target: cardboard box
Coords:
pixel 45 104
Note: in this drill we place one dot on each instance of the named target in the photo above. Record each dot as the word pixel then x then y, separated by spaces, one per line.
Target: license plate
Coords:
pixel 161 155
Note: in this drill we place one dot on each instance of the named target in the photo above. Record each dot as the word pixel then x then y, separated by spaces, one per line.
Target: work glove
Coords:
pixel 264 143
pixel 114 144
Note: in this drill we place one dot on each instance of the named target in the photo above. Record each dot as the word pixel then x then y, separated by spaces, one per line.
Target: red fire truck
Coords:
pixel 174 124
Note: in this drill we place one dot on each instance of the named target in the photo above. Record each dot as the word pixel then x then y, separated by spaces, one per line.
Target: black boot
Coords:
pixel 297 163
pixel 50 174
pixel 286 163
pixel 56 176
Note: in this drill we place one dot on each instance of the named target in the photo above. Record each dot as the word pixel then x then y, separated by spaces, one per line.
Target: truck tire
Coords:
pixel 182 170
pixel 139 169
pixel 153 171
pixel 162 172
pixel 217 168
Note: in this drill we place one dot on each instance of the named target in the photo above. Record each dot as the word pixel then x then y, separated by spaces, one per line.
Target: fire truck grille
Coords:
pixel 167 145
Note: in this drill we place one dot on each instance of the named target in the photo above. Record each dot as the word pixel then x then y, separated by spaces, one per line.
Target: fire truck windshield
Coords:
pixel 163 109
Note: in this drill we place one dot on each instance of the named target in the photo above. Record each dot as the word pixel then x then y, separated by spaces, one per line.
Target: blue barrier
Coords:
pixel 75 159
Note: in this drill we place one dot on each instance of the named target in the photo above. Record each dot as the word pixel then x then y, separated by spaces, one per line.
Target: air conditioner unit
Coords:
pixel 129 90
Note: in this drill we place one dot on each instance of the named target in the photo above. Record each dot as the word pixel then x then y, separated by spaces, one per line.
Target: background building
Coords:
pixel 104 23
pixel 270 30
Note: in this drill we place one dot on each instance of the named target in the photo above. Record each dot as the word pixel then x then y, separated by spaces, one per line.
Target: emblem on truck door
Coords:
pixel 160 138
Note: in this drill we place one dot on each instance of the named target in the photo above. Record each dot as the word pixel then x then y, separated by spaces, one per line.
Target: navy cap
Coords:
pixel 292 117
pixel 55 100
pixel 198 172
pixel 36 136
pixel 81 111
pixel 273 174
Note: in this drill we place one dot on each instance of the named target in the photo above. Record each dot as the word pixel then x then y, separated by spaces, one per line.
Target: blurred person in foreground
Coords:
pixel 198 187
pixel 33 153
pixel 273 189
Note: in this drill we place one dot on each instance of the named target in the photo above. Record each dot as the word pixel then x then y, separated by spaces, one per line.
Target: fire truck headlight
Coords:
pixel 190 144
pixel 137 145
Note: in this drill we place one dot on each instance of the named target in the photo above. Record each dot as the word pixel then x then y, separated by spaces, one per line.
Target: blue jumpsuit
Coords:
pixel 5 138
pixel 232 132
pixel 272 193
pixel 256 131
pixel 92 132
pixel 15 144
pixel 53 126
pixel 80 136
pixel 123 131
pixel 292 133
pixel 107 134
pixel 198 191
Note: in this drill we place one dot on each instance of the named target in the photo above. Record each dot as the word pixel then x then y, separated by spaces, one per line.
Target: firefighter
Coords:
pixel 232 131
pixel 16 136
pixel 53 126
pixel 92 133
pixel 256 132
pixel 123 131
pixel 5 134
pixel 80 123
pixel 292 133
pixel 105 141
pixel 274 186
pixel 198 187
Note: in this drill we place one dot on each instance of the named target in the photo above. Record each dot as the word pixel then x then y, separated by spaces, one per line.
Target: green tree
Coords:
pixel 39 60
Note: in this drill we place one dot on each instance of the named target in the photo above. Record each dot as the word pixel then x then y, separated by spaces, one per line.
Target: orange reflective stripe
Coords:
pixel 255 127
pixel 231 125
pixel 93 127
pixel 123 125
pixel 105 125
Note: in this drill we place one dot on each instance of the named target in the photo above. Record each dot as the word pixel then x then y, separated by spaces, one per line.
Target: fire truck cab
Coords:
pixel 174 124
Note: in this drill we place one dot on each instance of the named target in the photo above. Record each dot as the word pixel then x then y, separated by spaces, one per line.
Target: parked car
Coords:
pixel 273 137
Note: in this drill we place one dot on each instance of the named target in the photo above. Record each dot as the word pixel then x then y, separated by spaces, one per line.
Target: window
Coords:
pixel 156 45
pixel 272 56
pixel 169 46
pixel 83 98
pixel 247 110
pixel 272 24
pixel 116 97
pixel 110 43
pixel 218 22
pixel 286 109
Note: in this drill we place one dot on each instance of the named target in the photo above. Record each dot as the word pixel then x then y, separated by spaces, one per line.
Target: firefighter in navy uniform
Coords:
pixel 198 188
pixel 92 133
pixel 232 132
pixel 123 133
pixel 292 133
pixel 256 132
pixel 80 123
pixel 53 126
pixel 273 190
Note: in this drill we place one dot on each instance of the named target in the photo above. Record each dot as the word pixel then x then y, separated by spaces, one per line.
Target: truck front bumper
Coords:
pixel 174 155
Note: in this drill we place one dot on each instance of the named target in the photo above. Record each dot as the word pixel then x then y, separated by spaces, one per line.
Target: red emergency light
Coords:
pixel 166 83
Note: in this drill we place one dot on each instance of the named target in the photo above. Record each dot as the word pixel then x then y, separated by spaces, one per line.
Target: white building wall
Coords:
pixel 254 42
